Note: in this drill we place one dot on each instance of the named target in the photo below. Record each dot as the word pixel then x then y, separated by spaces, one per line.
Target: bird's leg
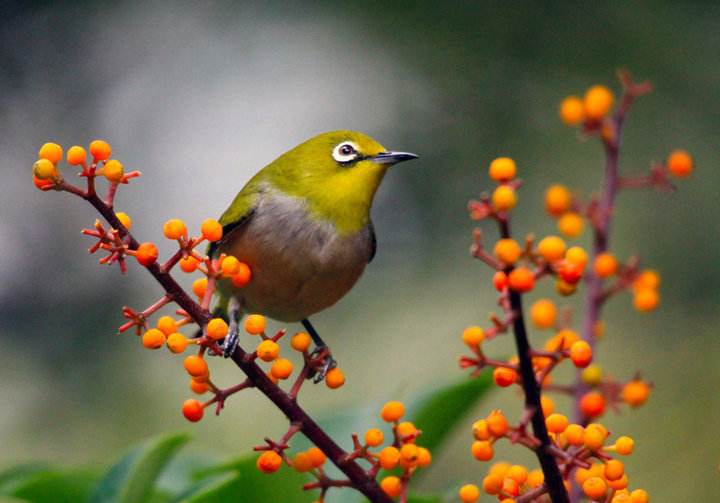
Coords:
pixel 231 341
pixel 321 353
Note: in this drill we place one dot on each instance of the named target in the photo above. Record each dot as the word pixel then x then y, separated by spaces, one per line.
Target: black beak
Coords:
pixel 393 157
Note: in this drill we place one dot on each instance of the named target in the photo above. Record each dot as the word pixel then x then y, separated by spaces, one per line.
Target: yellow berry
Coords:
pixel 268 350
pixel 217 329
pixel 551 248
pixel 571 224
pixel 391 485
pixel 374 437
pixel 597 102
pixel 255 324
pixel 577 256
pixel 571 111
pixel 392 411
pixel 43 169
pixel 557 200
pixel 282 368
pixel 594 488
pixel 124 219
pixel 52 152
pixel 100 150
pixel 594 438
pixel 680 163
pixel 556 423
pixel 574 433
pixel 504 198
pixel 469 493
pixel 480 430
pixel 592 375
pixel 518 473
pixel 508 251
pixel 502 169
pixel 547 405
pixel 175 229
pixel 153 339
pixel 211 230
pixel 76 155
pixel 113 170
pixel 177 342
pixel 543 313
pixel 472 336
pixel 535 478
pixel 230 266
pixel 624 446
pixel 300 341
pixel 334 378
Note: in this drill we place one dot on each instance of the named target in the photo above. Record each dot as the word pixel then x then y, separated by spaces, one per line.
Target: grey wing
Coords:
pixel 373 241
pixel 229 229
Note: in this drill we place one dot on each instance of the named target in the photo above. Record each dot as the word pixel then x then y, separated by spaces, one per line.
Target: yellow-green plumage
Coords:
pixel 303 226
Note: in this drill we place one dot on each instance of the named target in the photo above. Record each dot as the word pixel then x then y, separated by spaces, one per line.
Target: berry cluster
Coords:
pixel 574 455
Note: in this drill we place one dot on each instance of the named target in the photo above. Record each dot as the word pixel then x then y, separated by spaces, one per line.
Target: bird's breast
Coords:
pixel 300 264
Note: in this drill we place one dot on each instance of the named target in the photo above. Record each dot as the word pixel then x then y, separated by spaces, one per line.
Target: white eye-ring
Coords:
pixel 345 152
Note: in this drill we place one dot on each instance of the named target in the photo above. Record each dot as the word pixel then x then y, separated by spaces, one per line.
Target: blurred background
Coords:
pixel 199 96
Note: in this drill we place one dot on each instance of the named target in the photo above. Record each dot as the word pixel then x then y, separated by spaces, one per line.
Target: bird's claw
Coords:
pixel 231 341
pixel 323 363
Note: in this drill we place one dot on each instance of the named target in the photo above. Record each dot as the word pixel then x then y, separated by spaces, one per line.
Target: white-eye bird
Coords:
pixel 302 224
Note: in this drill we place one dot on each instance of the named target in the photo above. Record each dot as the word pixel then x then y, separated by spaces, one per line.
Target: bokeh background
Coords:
pixel 200 95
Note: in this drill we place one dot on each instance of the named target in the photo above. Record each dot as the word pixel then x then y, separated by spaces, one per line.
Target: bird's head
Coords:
pixel 337 173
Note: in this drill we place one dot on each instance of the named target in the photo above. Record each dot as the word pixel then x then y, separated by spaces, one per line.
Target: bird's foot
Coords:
pixel 321 362
pixel 231 341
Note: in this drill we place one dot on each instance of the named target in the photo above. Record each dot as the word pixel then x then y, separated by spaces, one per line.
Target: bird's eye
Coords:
pixel 345 152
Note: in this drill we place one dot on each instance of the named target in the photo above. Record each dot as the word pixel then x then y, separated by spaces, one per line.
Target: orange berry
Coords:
pixel 268 350
pixel 113 170
pixel 229 266
pixel 508 251
pixel 192 410
pixel 177 342
pixel 493 484
pixel 199 286
pixel 153 339
pixel 216 329
pixel 480 430
pixel 167 325
pixel 500 281
pixel 636 393
pixel 592 376
pixel 407 432
pixel 594 437
pixel 334 378
pixel 469 493
pixel 639 496
pixel 146 254
pixel 570 273
pixel 76 155
pixel 391 485
pixel 624 446
pixel 300 341
pixel 557 200
pixel 574 433
pixel 482 450
pixel 577 256
pixel 189 264
pixel 556 423
pixel 255 324
pixel 374 437
pixel 44 170
pixel 536 478
pixel 680 163
pixel 409 454
pixel 497 424
pixel 424 458
pixel 100 150
pixel 543 313
pixel 392 411
pixel 195 366
pixel 571 224
pixel 125 220
pixel 547 405
pixel 389 457
pixel 317 456
pixel 571 111
pixel 646 299
pixel 39 183
pixel 199 387
pixel 211 230
pixel 242 276
pixel 302 462
pixel 510 487
pixel 564 288
pixel 597 102
pixel 581 354
pixel 269 462
pixel 504 376
pixel 502 169
pixel 614 469
pixel 473 336
pixel 592 404
pixel 647 279
pixel 518 473
pixel 52 152
pixel 551 248
pixel 504 198
pixel 282 368
pixel 175 229
pixel 521 280
pixel 605 265
pixel 594 488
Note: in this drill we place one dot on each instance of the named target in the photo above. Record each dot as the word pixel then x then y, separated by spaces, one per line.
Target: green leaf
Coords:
pixel 247 484
pixel 11 477
pixel 51 486
pixel 438 411
pixel 414 498
pixel 132 479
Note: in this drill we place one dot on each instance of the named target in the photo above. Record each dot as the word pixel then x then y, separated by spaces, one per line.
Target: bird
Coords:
pixel 302 224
